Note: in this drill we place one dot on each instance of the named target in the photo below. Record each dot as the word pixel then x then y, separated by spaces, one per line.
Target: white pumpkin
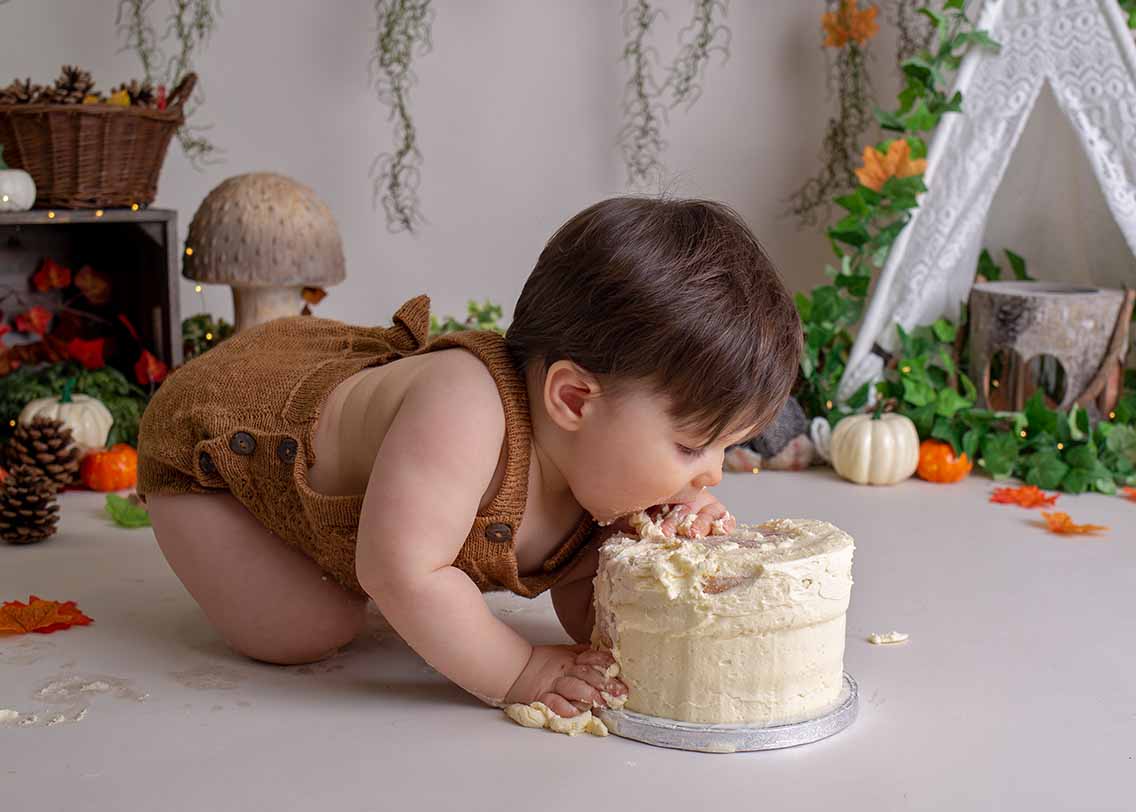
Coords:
pixel 17 189
pixel 87 417
pixel 876 451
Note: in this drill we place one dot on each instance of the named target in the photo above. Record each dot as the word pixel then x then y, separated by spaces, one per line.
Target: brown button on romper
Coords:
pixel 241 416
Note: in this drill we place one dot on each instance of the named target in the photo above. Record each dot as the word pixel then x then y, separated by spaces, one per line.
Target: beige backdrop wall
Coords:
pixel 518 107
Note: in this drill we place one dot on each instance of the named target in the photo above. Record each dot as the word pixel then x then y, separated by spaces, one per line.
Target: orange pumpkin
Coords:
pixel 110 469
pixel 938 463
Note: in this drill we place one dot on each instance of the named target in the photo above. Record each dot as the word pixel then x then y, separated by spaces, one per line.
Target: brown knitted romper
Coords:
pixel 241 417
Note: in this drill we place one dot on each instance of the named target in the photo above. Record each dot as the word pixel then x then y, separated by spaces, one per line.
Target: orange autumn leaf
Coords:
pixel 313 295
pixel 849 24
pixel 148 369
pixel 1062 524
pixel 93 284
pixel 35 320
pixel 896 163
pixel 1027 496
pixel 1130 493
pixel 43 617
pixel 51 275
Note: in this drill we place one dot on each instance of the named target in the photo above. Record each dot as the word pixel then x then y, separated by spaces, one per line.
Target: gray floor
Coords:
pixel 1015 691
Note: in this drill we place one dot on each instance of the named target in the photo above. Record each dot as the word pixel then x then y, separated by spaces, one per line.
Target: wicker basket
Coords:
pixel 87 156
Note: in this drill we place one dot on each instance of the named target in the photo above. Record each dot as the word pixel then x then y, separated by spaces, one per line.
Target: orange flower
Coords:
pixel 849 23
pixel 41 616
pixel 897 163
pixel 1130 493
pixel 1027 496
pixel 1062 524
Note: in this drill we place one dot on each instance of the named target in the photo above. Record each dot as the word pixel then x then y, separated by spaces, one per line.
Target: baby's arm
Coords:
pixel 572 596
pixel 435 462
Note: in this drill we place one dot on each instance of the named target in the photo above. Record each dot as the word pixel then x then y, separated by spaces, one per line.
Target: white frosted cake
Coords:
pixel 740 628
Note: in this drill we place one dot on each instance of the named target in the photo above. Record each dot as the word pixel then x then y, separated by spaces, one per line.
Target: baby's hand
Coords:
pixel 568 679
pixel 698 518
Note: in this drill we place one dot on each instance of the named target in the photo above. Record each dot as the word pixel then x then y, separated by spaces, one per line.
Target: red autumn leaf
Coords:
pixel 1062 524
pixel 1130 493
pixel 1027 496
pixel 93 284
pixel 149 369
pixel 40 616
pixel 129 326
pixel 51 275
pixel 35 320
pixel 313 295
pixel 89 353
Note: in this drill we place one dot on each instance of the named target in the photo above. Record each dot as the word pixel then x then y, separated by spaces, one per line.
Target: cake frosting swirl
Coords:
pixel 744 627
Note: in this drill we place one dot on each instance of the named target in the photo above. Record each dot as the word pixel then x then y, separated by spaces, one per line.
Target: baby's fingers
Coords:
pixel 559 705
pixel 575 689
pixel 595 677
pixel 593 656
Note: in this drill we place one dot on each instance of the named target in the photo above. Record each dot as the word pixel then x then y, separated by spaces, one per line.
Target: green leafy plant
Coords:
pixel 125 400
pixel 1045 447
pixel 482 316
pixel 200 332
pixel 863 237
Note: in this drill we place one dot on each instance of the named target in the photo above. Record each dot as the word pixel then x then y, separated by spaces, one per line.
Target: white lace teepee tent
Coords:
pixel 1085 51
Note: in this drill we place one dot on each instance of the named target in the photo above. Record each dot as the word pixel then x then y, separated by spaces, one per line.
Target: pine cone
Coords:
pixel 73 85
pixel 141 94
pixel 28 508
pixel 44 444
pixel 21 91
pixel 50 95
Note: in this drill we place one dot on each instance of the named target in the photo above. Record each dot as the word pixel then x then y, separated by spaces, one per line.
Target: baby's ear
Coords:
pixel 568 388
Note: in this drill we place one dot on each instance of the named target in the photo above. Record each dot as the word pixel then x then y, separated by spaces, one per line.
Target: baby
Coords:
pixel 305 465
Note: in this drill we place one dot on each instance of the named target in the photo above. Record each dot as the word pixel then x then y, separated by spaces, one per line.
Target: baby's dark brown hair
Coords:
pixel 674 293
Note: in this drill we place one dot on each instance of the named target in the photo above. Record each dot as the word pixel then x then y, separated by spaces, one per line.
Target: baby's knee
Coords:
pixel 330 632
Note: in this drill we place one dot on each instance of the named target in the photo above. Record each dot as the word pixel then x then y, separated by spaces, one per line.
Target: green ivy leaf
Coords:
pixel 999 454
pixel 1121 441
pixel 988 267
pixel 918 393
pixel 1046 470
pixel 1041 418
pixel 1076 481
pixel 804 306
pixel 859 397
pixel 126 514
pixel 1082 456
pixel 944 331
pixel 949 402
pixel 1018 264
pixel 970 442
pixel 920 119
pixel 888 120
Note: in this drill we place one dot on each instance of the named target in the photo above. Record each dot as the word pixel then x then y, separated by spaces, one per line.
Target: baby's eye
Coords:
pixel 688 452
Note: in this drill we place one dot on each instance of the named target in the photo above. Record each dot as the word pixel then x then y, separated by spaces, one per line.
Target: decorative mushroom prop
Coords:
pixel 268 237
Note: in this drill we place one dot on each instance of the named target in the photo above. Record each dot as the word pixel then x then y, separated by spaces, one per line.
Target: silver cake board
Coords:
pixel 707 738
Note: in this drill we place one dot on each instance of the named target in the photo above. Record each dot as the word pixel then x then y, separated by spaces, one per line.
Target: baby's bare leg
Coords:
pixel 269 601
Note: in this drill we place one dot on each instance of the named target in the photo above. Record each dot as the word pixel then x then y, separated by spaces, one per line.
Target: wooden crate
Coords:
pixel 138 250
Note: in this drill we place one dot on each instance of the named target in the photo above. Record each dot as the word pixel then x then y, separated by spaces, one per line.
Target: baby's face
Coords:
pixel 630 455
